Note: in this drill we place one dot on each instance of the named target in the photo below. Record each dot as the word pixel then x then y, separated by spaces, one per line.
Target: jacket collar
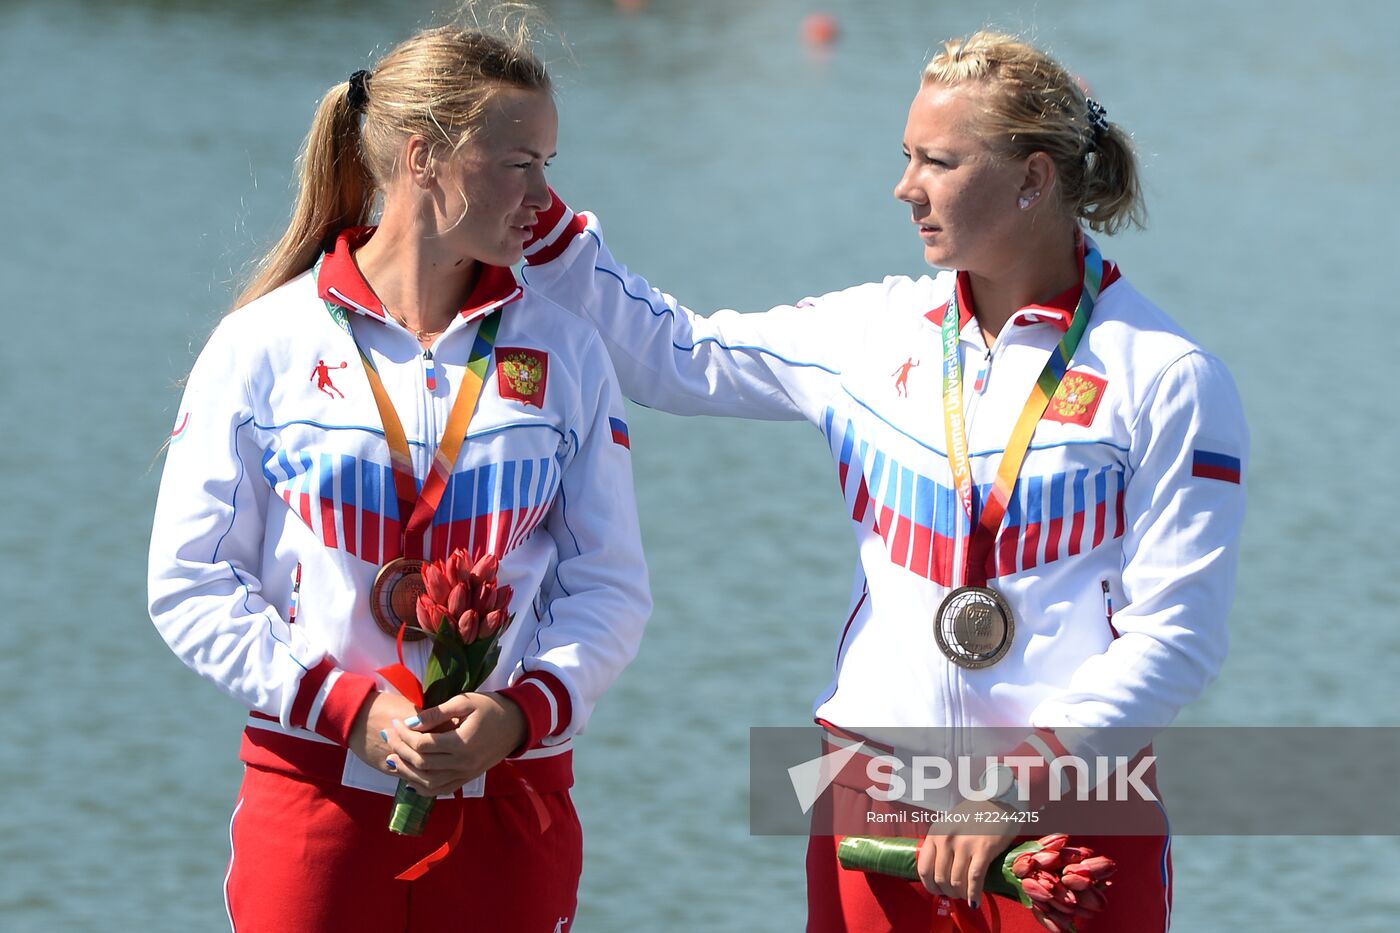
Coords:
pixel 1058 312
pixel 341 282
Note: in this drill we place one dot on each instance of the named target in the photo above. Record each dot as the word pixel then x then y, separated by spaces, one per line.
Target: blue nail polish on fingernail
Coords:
pixel 390 763
pixel 413 722
pixel 976 903
pixel 383 735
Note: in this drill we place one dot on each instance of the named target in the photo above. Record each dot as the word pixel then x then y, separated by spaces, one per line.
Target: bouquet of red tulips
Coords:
pixel 465 613
pixel 1058 882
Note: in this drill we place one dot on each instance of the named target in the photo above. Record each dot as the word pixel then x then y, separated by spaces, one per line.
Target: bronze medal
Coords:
pixel 393 599
pixel 974 627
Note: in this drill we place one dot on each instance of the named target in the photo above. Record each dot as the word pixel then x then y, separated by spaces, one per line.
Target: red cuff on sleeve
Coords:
pixel 1042 741
pixel 328 701
pixel 544 701
pixel 552 233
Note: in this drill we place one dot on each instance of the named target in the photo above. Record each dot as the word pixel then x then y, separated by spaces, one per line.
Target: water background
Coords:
pixel 145 156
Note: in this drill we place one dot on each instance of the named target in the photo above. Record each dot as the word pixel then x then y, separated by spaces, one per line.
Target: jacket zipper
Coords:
pixel 429 409
pixel 978 387
pixel 952 676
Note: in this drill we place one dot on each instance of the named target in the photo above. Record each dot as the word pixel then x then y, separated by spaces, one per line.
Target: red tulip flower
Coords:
pixel 1060 883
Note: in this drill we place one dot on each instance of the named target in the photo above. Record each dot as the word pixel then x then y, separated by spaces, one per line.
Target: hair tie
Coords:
pixel 358 96
pixel 1098 121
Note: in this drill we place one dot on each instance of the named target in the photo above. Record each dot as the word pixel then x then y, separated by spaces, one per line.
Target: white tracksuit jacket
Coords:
pixel 1136 482
pixel 278 466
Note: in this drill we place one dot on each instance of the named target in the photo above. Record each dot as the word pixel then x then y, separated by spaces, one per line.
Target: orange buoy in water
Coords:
pixel 820 29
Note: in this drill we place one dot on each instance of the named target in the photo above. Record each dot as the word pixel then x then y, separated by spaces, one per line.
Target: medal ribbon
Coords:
pixel 416 508
pixel 984 535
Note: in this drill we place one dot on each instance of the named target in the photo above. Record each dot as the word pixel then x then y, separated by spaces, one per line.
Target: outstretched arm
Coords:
pixel 782 364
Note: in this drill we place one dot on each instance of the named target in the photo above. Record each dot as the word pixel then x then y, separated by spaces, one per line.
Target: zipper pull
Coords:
pixel 431 369
pixel 296 597
pixel 980 385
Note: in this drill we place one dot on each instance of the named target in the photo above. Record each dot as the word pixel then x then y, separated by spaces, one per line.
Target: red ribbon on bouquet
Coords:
pixel 967 919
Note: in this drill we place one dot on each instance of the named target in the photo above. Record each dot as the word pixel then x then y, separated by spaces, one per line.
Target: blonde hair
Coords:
pixel 435 84
pixel 1031 104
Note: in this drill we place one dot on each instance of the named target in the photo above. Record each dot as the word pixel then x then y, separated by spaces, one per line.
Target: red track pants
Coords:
pixel 310 857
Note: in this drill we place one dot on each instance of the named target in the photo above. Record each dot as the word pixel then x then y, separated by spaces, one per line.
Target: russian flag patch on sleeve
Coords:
pixel 1212 464
pixel 619 432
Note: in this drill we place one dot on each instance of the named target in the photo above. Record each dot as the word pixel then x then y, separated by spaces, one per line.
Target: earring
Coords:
pixel 1026 201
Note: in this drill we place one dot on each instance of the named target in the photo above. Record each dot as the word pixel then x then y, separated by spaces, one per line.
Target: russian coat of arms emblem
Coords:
pixel 1076 400
pixel 521 374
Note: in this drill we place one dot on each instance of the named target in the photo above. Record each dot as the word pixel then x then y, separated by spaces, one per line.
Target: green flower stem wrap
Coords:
pixel 898 857
pixel 410 812
pixel 888 856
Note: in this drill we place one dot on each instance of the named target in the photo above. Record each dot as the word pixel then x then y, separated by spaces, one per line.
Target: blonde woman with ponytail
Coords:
pixel 386 393
pixel 1043 474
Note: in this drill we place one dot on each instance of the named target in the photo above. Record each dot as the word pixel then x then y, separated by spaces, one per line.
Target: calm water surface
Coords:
pixel 145 156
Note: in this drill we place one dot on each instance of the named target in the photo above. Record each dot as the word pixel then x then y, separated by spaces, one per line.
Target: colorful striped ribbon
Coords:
pixel 984 533
pixel 416 508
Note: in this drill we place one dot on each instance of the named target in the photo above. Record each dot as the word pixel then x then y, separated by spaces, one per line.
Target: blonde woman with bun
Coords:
pixel 385 393
pixel 1042 471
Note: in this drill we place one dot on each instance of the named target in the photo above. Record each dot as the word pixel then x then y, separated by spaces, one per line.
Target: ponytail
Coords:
pixel 334 191
pixel 1112 197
